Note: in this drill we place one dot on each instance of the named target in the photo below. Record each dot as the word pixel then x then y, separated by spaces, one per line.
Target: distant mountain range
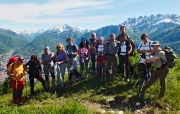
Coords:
pixel 165 28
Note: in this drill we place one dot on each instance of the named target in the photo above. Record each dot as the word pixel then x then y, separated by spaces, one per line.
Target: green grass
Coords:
pixel 86 96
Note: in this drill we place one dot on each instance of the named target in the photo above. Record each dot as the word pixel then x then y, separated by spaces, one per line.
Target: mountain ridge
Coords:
pixel 152 25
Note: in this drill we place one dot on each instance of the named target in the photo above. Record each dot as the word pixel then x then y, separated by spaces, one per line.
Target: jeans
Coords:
pixel 93 60
pixel 61 68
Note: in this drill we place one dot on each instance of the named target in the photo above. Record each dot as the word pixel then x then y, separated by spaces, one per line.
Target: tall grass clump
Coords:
pixel 73 107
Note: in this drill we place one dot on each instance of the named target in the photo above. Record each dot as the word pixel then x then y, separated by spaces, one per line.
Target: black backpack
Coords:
pixel 170 55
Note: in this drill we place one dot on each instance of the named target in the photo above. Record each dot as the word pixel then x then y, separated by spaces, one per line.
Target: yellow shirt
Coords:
pixel 17 70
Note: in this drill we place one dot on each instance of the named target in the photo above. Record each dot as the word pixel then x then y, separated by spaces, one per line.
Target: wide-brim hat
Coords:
pixel 155 43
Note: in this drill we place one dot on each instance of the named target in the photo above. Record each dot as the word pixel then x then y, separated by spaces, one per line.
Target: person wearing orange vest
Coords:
pixel 16 71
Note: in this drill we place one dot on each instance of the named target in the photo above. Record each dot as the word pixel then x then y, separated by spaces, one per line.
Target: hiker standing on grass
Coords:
pixel 17 71
pixel 145 50
pixel 120 39
pixel 161 68
pixel 61 59
pixel 72 52
pixel 125 49
pixel 93 43
pixel 48 66
pixel 35 71
pixel 101 57
pixel 111 48
pixel 84 55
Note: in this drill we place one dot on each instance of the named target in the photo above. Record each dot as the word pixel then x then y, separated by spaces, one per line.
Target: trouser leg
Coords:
pixel 32 85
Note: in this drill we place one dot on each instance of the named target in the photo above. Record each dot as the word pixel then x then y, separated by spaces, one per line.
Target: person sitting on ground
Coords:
pixel 17 71
pixel 161 69
pixel 84 55
pixel 35 71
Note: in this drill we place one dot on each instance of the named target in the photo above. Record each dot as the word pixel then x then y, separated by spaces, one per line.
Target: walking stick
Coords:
pixel 141 88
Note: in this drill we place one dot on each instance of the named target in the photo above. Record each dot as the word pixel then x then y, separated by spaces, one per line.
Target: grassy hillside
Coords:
pixel 90 95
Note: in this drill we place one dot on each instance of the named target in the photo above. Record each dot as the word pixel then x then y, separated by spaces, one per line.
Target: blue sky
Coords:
pixel 90 14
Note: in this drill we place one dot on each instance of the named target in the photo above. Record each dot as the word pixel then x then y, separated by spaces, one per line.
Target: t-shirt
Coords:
pixel 17 70
pixel 159 62
pixel 124 47
pixel 48 59
pixel 143 46
pixel 84 51
pixel 111 48
pixel 93 44
pixel 71 48
pixel 100 48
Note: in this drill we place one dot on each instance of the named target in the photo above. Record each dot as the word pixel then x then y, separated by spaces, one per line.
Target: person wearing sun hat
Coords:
pixel 161 69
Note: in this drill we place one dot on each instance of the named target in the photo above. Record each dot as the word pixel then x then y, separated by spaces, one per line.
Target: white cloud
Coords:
pixel 53 10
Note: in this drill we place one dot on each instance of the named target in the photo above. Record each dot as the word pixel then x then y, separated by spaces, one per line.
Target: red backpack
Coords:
pixel 13 59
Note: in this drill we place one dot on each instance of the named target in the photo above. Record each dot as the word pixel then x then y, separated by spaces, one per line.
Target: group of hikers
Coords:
pixel 102 55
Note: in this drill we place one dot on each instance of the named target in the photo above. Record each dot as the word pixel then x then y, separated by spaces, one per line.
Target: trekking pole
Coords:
pixel 135 83
pixel 141 88
pixel 16 90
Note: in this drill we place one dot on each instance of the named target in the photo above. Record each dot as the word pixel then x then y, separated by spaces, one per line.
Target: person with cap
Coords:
pixel 161 69
pixel 124 51
pixel 111 48
pixel 35 71
pixel 47 59
pixel 17 71
pixel 101 57
pixel 84 54
pixel 119 38
pixel 145 50
pixel 93 43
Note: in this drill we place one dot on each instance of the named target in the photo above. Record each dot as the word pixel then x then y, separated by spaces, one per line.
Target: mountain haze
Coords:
pixel 11 40
pixel 164 28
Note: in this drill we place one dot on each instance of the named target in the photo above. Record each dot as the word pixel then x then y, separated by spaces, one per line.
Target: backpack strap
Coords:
pixel 150 45
pixel 12 68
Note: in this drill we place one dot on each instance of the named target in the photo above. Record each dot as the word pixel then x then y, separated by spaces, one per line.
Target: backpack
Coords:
pixel 170 56
pixel 132 44
pixel 13 59
pixel 8 80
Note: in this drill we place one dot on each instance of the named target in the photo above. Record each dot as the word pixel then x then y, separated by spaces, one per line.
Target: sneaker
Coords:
pixel 127 80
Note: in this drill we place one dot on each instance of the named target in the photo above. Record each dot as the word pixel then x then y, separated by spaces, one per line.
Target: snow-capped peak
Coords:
pixel 66 27
pixel 29 31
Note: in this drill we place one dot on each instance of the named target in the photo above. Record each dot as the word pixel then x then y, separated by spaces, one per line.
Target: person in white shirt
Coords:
pixel 145 50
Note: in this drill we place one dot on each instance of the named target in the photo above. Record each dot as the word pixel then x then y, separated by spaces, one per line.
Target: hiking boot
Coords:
pixel 161 95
